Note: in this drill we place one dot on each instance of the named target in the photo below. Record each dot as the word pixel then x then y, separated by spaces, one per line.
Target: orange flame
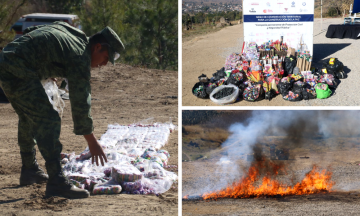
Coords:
pixel 314 182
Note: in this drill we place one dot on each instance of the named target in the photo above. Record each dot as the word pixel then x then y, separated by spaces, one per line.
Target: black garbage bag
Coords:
pixel 235 78
pixel 199 90
pixel 308 94
pixel 210 88
pixel 318 73
pixel 299 87
pixel 291 96
pixel 341 75
pixel 333 66
pixel 270 94
pixel 219 74
pixel 289 65
pixel 203 78
pixel 285 87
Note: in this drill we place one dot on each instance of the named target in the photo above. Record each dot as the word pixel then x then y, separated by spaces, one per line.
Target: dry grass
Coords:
pixel 199 141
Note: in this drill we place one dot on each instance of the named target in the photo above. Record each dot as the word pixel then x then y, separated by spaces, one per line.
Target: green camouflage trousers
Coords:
pixel 39 123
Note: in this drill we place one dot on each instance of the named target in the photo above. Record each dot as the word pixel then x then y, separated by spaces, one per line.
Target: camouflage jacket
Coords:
pixel 57 50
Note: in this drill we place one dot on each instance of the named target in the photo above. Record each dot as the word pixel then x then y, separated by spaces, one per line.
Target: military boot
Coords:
pixel 59 185
pixel 30 171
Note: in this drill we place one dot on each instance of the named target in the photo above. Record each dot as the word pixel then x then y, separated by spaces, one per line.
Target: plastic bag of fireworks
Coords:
pixel 236 78
pixel 211 88
pixel 335 67
pixel 225 94
pixel 291 96
pixel 125 173
pixel 309 93
pixel 220 74
pixel 203 78
pixel 254 93
pixel 148 186
pixel 285 85
pixel 199 90
pixel 110 187
pixel 289 65
pixel 322 91
pixel 330 80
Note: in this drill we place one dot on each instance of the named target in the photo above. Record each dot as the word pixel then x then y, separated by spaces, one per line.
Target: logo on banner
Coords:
pixel 268 4
pixel 268 11
pixel 252 10
pixel 304 3
pixel 293 4
pixel 286 10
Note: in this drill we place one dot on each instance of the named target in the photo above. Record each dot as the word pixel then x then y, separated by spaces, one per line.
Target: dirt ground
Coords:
pixel 343 200
pixel 120 94
pixel 205 54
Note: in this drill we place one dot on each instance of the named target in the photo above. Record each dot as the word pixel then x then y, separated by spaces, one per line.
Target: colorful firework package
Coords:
pixel 110 187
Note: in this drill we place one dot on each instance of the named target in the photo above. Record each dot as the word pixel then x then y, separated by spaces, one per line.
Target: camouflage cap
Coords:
pixel 115 43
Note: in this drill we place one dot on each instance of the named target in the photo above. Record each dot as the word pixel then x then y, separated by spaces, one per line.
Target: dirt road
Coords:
pixel 207 53
pixel 121 94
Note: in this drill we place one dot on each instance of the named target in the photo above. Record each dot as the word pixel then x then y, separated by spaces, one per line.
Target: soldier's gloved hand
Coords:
pixel 95 150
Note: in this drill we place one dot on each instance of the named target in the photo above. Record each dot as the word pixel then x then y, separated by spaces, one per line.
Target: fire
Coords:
pixel 314 182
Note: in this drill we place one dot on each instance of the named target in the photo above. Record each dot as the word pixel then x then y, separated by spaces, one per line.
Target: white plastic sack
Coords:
pixel 52 92
pixel 228 99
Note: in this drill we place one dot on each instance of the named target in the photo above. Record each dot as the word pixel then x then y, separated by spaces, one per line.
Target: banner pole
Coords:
pixel 242 7
pixel 321 15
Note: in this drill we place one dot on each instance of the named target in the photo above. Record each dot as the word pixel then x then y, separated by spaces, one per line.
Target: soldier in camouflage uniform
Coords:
pixel 57 50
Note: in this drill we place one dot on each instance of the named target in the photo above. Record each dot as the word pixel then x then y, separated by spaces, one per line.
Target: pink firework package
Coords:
pixel 125 173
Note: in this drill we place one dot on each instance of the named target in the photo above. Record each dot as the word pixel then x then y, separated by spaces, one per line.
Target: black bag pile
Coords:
pixel 335 67
pixel 206 86
pixel 292 87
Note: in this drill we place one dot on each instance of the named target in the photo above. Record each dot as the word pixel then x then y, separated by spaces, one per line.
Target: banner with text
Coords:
pixel 266 20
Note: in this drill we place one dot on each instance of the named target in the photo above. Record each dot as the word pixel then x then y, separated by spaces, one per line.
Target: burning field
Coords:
pixel 314 182
pixel 301 164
